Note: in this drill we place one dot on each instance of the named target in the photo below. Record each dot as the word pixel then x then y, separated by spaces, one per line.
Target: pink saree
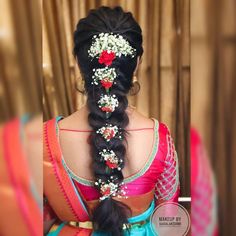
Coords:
pixel 73 199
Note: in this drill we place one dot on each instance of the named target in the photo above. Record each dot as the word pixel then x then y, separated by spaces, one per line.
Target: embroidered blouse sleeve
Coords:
pixel 167 185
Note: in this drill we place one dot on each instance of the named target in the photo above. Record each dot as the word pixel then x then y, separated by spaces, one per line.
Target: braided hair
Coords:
pixel 107 44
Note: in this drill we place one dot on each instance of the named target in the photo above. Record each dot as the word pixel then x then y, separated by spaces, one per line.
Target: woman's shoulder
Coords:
pixel 79 120
pixel 137 120
pixel 76 120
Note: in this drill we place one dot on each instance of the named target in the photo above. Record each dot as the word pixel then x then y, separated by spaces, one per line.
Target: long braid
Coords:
pixel 107 61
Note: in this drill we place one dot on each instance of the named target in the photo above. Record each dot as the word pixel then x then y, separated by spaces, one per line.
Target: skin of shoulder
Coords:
pixel 77 120
pixel 136 120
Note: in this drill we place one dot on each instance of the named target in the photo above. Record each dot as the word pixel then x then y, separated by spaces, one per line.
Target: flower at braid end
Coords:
pixel 110 189
pixel 108 103
pixel 106 76
pixel 110 158
pixel 108 132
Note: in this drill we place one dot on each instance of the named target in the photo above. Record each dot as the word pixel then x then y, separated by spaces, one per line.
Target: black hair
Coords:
pixel 110 215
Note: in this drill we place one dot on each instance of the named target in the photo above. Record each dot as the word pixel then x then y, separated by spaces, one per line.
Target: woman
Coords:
pixel 106 166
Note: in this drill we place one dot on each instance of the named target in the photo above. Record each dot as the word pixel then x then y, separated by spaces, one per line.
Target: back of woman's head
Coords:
pixel 108 43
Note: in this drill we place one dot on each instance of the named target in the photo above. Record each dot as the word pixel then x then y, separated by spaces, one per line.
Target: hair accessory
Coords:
pixel 106 58
pixel 108 132
pixel 106 76
pixel 110 159
pixel 108 103
pixel 107 46
pixel 110 189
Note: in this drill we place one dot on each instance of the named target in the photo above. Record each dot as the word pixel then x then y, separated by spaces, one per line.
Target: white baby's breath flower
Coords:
pixel 104 73
pixel 111 43
pixel 108 103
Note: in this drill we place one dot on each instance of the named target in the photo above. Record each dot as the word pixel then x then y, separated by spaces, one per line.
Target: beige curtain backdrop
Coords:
pixel 20 58
pixel 213 81
pixel 164 74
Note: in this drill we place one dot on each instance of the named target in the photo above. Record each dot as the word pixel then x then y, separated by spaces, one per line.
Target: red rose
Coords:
pixel 107 191
pixel 111 165
pixel 106 58
pixel 106 84
pixel 109 134
pixel 106 109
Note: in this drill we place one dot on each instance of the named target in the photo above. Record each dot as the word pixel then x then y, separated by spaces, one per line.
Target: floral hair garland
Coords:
pixel 110 159
pixel 106 76
pixel 106 47
pixel 110 188
pixel 108 103
pixel 108 132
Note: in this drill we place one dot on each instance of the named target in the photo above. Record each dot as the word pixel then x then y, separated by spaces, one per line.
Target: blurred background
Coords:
pixel 20 58
pixel 20 118
pixel 213 97
pixel 35 33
